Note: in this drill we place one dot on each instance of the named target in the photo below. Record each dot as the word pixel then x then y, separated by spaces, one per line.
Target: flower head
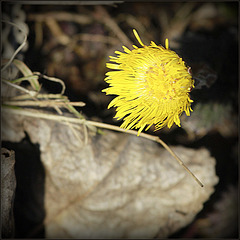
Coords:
pixel 152 84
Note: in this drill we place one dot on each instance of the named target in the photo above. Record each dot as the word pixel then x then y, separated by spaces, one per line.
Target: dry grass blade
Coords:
pixel 43 103
pixel 39 96
pixel 40 100
pixel 28 75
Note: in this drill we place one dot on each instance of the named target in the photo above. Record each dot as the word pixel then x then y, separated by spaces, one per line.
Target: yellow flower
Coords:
pixel 152 84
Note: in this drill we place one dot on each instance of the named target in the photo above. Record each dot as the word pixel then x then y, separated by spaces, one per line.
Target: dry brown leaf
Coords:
pixel 115 186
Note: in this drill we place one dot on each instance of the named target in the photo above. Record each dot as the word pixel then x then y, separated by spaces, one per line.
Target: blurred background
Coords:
pixel 74 42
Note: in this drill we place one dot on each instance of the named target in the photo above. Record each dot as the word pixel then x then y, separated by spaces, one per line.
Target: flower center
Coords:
pixel 159 85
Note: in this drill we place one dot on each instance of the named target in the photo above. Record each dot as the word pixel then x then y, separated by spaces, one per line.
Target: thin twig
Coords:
pixel 38 114
pixel 60 16
pixel 102 15
pixel 57 32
